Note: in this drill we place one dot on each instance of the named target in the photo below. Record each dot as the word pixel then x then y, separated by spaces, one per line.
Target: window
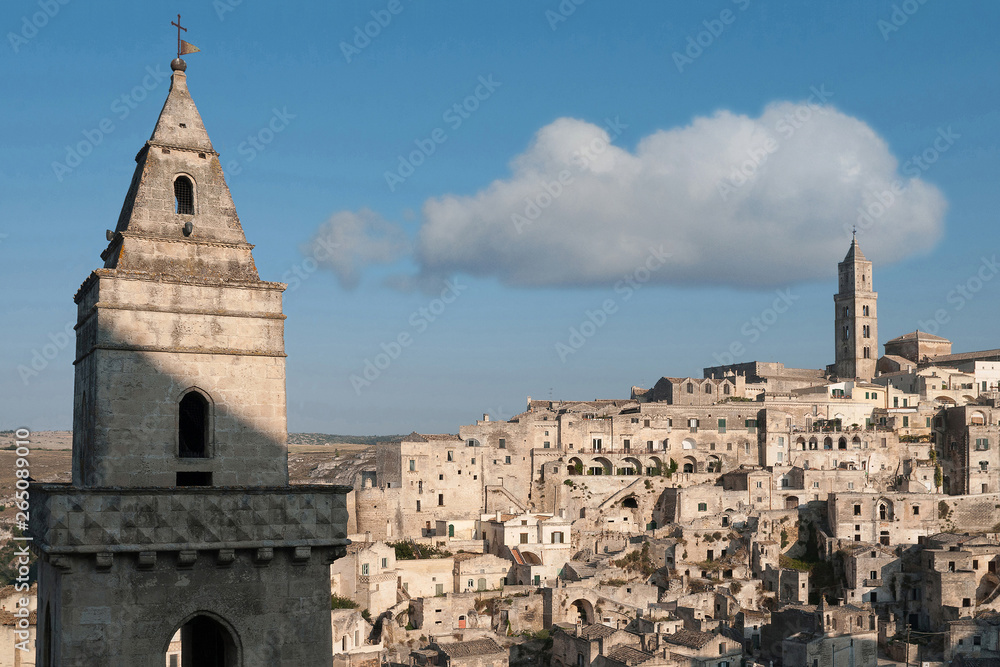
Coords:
pixel 864 310
pixel 693 424
pixel 627 445
pixel 546 445
pixel 385 562
pixel 596 442
pixel 916 510
pixel 418 505
pixel 982 444
pixel 183 196
pixel 708 389
pixel 438 589
pixel 524 538
pixel 364 568
pixel 413 465
pixel 857 510
pixel 645 423
pixel 440 499
pixel 702 507
pixel 192 426
pixel 690 388
pixel 451 456
pixel 506 460
pixel 722 426
pixel 503 443
pixel 868 352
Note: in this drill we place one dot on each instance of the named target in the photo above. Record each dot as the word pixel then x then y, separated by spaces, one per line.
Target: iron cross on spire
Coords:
pixel 179 28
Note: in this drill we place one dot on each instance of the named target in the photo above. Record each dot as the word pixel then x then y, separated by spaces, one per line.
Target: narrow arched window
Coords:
pixel 193 426
pixel 183 196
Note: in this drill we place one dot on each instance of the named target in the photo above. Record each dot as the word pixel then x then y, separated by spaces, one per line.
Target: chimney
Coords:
pixel 368 536
pixel 486 417
pixel 562 512
pixel 498 515
pixel 579 627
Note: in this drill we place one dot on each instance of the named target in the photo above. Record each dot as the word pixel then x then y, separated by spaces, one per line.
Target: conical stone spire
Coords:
pixel 178 220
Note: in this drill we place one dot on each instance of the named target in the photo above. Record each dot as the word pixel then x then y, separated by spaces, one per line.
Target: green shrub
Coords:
pixel 340 602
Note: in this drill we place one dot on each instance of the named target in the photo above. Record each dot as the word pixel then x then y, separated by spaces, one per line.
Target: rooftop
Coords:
pixel 485 646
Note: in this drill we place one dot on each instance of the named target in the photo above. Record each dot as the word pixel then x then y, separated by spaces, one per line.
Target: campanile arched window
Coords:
pixel 192 426
pixel 183 196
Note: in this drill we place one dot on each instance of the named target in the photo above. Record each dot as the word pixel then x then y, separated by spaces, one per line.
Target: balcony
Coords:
pixel 873 583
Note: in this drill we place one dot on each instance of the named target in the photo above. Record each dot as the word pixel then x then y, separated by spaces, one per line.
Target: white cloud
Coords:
pixel 734 200
pixel 737 201
pixel 349 241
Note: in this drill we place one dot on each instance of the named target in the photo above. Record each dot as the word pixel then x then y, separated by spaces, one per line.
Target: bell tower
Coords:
pixel 180 521
pixel 855 318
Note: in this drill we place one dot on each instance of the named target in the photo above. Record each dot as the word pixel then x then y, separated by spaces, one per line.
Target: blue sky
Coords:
pixel 713 155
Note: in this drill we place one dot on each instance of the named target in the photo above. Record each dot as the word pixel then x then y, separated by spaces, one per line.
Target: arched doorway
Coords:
pixel 601 466
pixel 584 612
pixel 791 502
pixel 207 641
pixel 630 502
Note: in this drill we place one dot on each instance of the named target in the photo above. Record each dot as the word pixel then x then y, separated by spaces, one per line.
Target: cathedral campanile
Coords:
pixel 856 320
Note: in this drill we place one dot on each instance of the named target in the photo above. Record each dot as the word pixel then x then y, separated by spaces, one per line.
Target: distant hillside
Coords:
pixel 328 439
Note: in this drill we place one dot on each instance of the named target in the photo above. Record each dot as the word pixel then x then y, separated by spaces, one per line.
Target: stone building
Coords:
pixel 583 645
pixel 538 544
pixel 872 573
pixel 473 653
pixel 971 449
pixel 180 515
pixel 367 575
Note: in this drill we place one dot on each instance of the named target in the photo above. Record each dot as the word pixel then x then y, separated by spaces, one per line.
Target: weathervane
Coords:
pixel 183 47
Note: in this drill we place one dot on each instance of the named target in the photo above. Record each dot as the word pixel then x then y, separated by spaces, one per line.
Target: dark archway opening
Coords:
pixel 205 642
pixel 631 503
pixel 193 426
